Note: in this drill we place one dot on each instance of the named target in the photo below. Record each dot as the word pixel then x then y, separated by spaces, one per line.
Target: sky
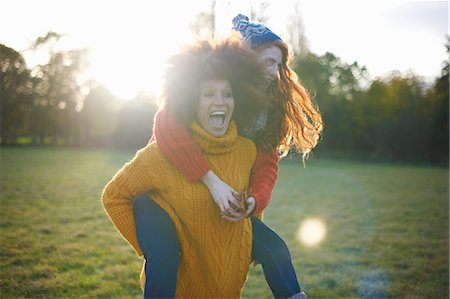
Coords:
pixel 129 42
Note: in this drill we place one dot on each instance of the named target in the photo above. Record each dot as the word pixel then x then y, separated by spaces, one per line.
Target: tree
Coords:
pixel 336 86
pixel 16 97
pixel 398 125
pixel 58 92
pixel 135 122
pixel 258 11
pixel 49 39
pixel 204 24
pixel 438 97
pixel 391 120
pixel 297 41
pixel 329 76
pixel 99 116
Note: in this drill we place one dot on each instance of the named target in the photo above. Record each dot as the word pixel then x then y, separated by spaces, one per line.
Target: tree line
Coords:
pixel 396 118
pixel 48 105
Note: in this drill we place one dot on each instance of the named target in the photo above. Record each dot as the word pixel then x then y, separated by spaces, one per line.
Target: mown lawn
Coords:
pixel 387 228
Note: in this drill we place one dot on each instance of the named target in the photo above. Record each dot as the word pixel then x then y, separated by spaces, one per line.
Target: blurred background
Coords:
pixel 89 74
pixel 368 217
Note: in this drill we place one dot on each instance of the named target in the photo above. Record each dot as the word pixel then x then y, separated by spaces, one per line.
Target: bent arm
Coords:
pixel 132 180
pixel 263 177
pixel 178 147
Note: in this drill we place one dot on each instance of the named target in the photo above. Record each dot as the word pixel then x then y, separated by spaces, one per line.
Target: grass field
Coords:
pixel 387 228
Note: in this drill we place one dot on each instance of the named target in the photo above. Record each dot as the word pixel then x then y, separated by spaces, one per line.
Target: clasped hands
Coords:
pixel 239 207
pixel 233 206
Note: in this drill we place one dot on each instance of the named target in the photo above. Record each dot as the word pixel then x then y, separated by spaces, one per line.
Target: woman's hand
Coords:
pixel 226 197
pixel 250 203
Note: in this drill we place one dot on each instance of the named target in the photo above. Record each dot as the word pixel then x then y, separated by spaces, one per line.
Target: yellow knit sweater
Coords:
pixel 215 253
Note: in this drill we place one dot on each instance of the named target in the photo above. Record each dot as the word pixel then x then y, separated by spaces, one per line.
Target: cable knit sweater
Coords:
pixel 215 253
pixel 178 146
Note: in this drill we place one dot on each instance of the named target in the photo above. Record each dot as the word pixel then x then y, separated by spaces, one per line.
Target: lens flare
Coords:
pixel 311 232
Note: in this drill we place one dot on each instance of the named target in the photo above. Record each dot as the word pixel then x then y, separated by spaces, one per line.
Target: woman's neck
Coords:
pixel 215 145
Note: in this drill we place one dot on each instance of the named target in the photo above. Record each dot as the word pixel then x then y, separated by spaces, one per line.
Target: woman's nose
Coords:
pixel 219 99
pixel 274 71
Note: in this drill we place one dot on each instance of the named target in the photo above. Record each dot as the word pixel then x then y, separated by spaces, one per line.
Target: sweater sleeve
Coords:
pixel 132 180
pixel 178 147
pixel 263 177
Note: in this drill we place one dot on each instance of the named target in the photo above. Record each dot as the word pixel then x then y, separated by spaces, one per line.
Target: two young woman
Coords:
pixel 289 120
pixel 215 252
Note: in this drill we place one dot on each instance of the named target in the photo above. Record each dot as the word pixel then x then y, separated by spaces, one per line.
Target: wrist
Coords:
pixel 209 178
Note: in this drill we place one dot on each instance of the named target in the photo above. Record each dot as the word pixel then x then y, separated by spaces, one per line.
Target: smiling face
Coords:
pixel 215 107
pixel 271 58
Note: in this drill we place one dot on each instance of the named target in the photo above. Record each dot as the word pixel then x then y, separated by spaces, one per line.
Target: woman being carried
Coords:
pixel 290 120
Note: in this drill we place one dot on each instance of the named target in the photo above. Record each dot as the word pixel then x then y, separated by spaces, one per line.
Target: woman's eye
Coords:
pixel 207 94
pixel 269 62
pixel 228 94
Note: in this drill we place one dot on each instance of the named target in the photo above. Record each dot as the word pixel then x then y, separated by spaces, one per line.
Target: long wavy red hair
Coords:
pixel 293 118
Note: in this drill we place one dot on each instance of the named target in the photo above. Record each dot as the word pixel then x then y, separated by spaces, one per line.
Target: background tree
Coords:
pixel 396 118
pixel 438 97
pixel 58 93
pixel 16 99
pixel 336 87
pixel 99 116
pixel 398 126
pixel 296 38
pixel 135 122
pixel 204 23
pixel 258 11
pixel 50 40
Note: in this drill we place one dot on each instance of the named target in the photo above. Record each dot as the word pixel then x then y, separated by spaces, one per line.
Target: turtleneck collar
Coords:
pixel 215 145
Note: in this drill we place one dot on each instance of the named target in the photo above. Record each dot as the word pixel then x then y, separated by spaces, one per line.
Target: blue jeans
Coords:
pixel 159 243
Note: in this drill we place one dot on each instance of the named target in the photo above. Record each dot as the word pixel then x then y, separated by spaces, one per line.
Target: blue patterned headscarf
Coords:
pixel 256 34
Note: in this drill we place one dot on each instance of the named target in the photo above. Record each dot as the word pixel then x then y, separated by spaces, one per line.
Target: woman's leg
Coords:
pixel 158 240
pixel 273 254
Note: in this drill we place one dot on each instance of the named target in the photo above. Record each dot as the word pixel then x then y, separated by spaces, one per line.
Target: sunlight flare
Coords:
pixel 311 232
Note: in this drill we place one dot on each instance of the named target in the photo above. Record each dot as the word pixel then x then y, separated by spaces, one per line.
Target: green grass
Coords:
pixel 387 228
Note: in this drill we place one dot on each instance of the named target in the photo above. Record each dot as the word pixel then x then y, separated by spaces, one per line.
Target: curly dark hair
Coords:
pixel 225 59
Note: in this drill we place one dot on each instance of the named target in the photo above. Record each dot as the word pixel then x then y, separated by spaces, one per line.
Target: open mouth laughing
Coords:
pixel 217 118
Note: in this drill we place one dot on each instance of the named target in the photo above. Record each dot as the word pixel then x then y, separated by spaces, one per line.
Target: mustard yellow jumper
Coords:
pixel 215 253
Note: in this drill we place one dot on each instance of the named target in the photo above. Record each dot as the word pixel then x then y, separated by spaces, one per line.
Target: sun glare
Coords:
pixel 126 76
pixel 135 63
pixel 128 46
pixel 311 232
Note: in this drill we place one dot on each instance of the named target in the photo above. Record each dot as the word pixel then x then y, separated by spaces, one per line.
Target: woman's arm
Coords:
pixel 262 181
pixel 178 146
pixel 220 192
pixel 263 178
pixel 133 179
